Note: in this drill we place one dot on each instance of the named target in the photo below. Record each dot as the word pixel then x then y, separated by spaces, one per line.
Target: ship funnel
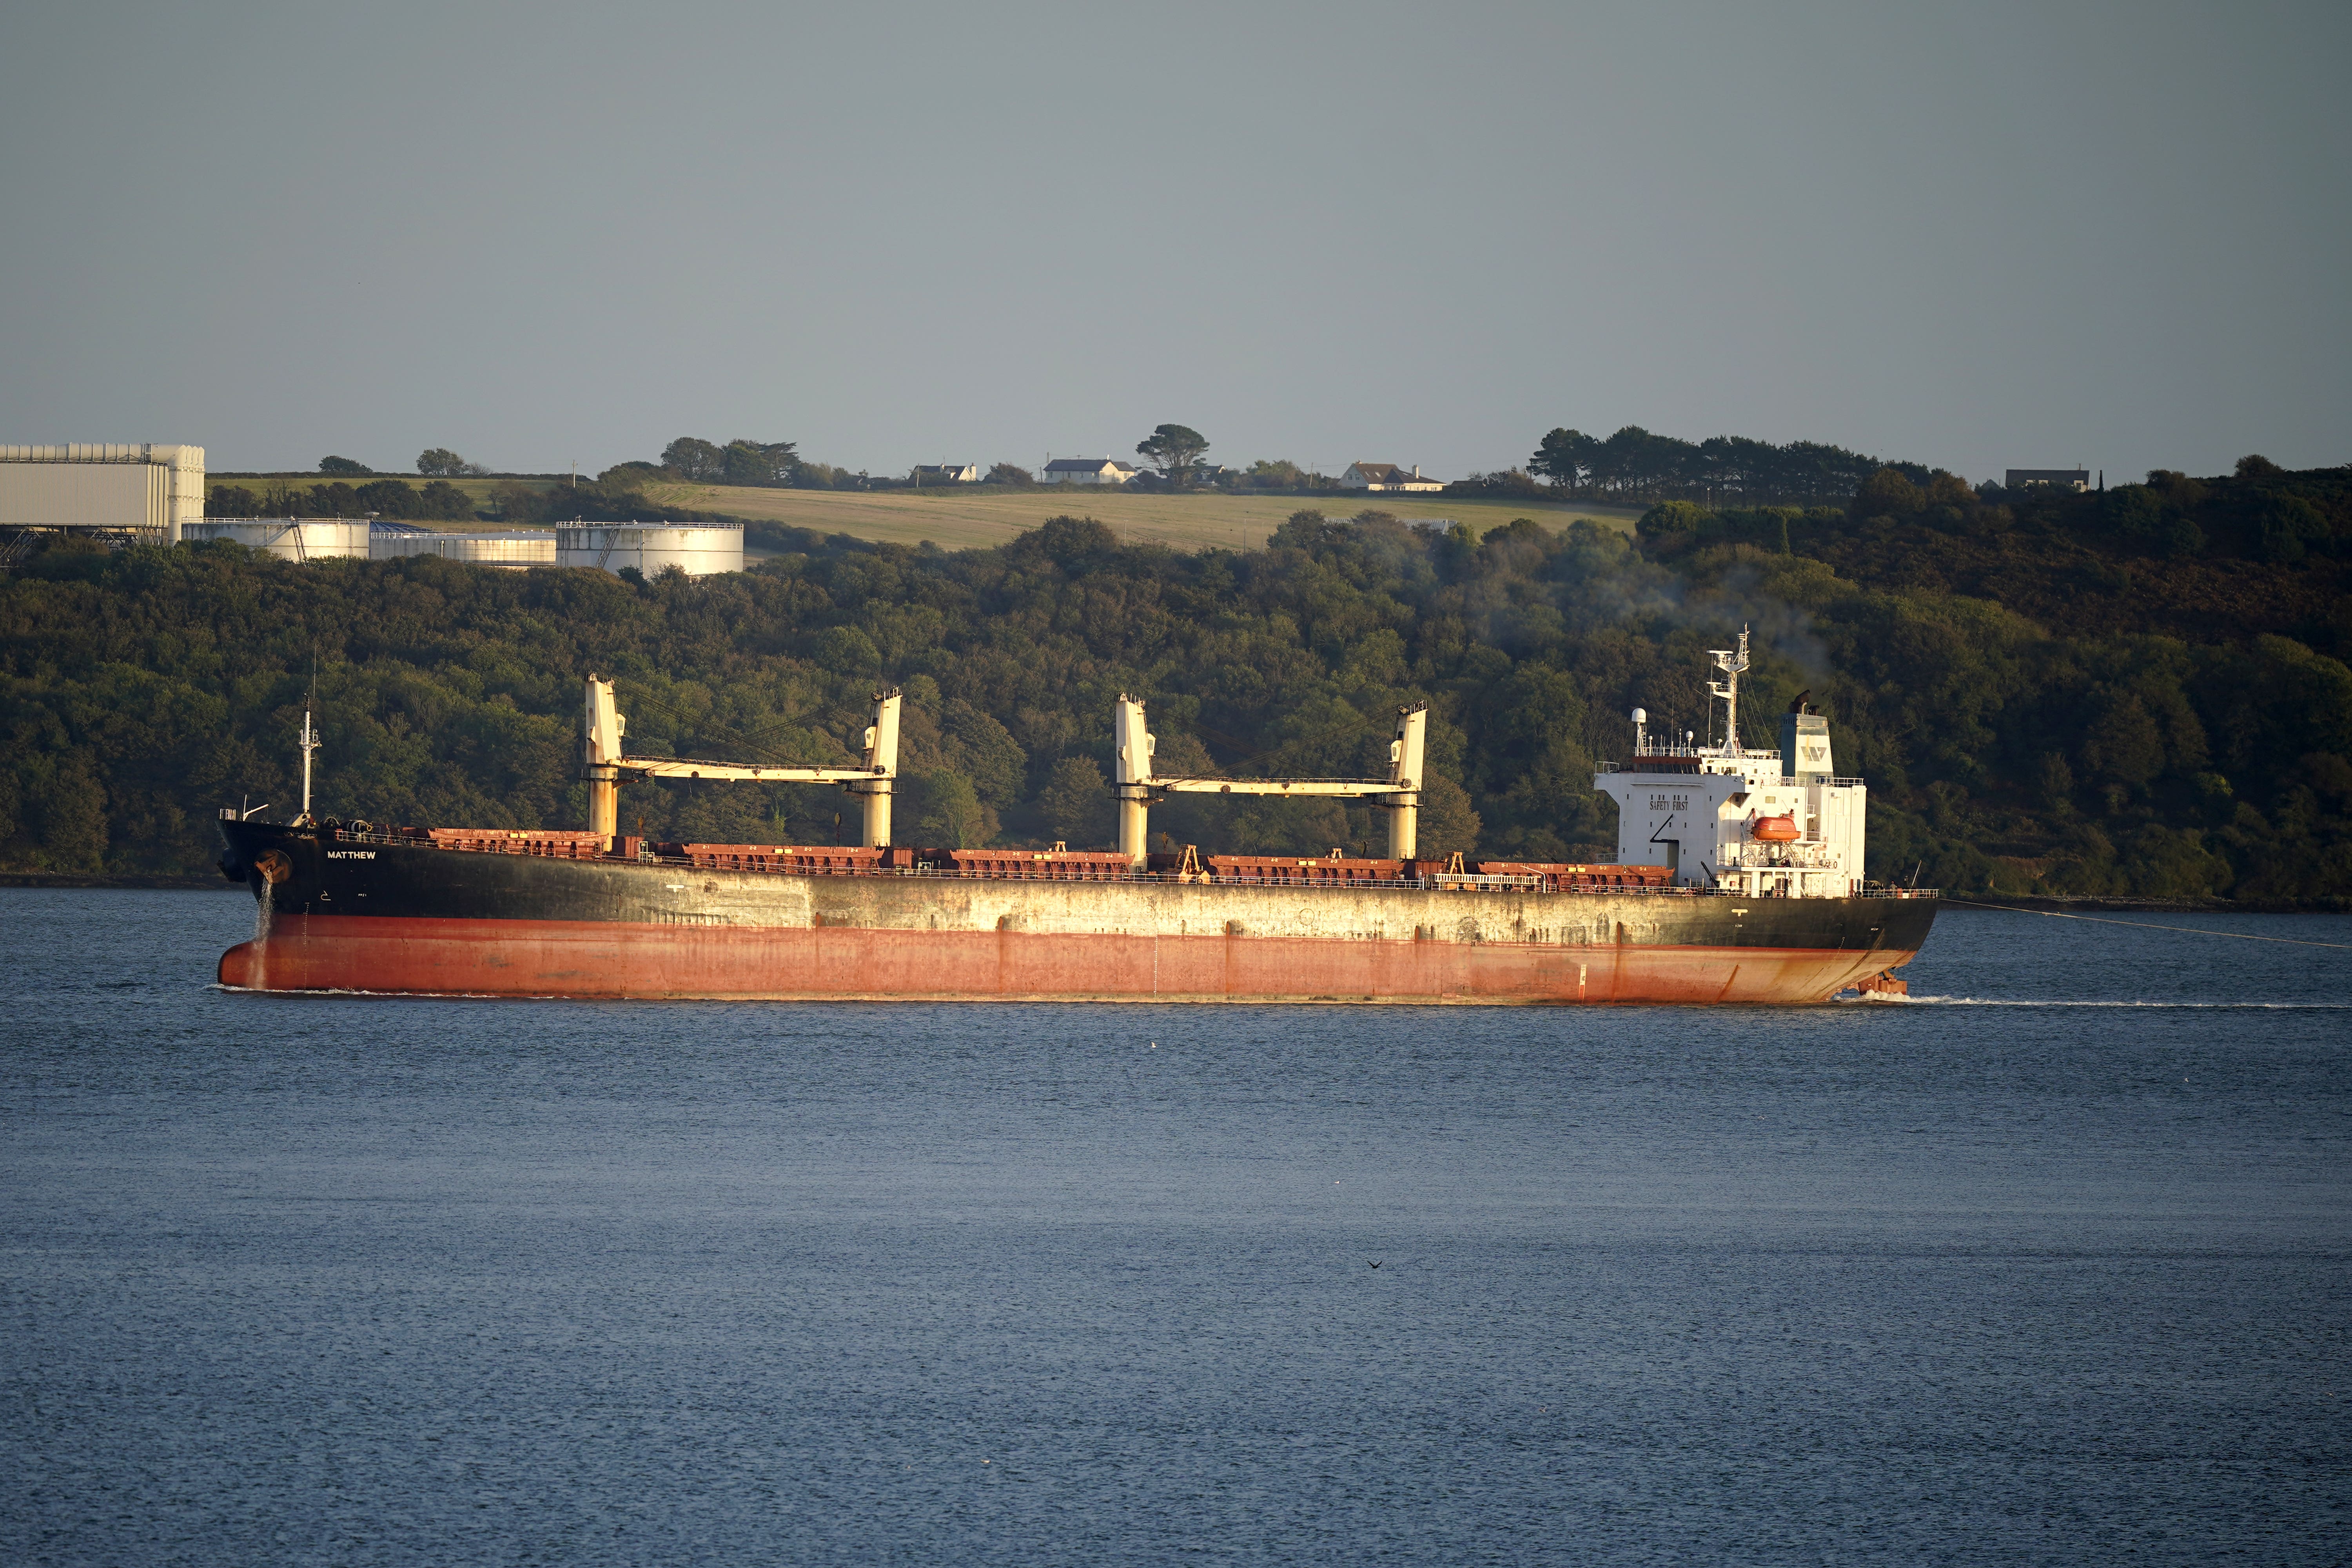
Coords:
pixel 1805 747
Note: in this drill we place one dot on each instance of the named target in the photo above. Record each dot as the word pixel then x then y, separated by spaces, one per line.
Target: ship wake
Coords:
pixel 1883 1000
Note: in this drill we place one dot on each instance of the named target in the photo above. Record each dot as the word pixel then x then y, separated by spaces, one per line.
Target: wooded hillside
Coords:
pixel 2056 694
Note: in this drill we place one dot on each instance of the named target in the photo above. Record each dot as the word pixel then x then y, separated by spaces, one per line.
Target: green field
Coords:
pixel 962 521
pixel 979 516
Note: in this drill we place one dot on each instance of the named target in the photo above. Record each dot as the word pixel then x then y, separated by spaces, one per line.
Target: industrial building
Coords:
pixel 290 538
pixel 120 491
pixel 697 548
pixel 515 548
pixel 149 494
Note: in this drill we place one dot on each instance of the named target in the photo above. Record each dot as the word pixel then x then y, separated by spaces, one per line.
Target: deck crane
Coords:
pixel 872 782
pixel 1399 793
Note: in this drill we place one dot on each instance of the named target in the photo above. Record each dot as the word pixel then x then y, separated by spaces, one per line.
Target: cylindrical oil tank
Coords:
pixel 517 547
pixel 289 538
pixel 697 548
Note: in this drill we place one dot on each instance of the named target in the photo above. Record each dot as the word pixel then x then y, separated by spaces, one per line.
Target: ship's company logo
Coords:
pixel 351 853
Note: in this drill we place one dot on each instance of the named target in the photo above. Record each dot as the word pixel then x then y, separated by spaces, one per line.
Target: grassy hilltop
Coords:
pixel 2138 693
pixel 983 516
pixel 967 517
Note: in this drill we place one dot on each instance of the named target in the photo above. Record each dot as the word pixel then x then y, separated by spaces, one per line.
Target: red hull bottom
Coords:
pixel 612 960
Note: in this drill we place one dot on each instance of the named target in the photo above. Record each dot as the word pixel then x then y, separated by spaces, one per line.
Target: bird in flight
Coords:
pixel 1374 1264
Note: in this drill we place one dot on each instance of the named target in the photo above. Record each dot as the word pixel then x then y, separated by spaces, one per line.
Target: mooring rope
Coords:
pixel 2151 925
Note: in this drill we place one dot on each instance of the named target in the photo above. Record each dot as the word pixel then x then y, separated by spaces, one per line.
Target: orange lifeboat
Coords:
pixel 1775 830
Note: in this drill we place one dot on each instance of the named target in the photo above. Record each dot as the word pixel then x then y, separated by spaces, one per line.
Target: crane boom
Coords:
pixel 1399 793
pixel 873 780
pixel 696 768
pixel 1274 787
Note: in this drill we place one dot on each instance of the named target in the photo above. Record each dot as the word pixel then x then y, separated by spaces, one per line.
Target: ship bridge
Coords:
pixel 1759 824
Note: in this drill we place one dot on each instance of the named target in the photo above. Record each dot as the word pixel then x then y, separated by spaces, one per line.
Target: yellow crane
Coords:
pixel 1399 793
pixel 873 780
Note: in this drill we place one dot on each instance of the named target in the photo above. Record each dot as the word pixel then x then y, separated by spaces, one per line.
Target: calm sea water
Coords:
pixel 2053 1267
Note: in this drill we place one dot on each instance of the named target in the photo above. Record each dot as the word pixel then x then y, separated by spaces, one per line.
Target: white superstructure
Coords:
pixel 117 488
pixel 1759 824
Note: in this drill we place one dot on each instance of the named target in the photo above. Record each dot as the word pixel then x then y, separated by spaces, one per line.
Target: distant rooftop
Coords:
pixel 2067 478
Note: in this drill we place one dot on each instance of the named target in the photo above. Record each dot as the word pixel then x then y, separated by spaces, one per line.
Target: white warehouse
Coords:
pixel 126 487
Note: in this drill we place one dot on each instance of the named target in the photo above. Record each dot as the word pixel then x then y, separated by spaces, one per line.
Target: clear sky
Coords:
pixel 1972 236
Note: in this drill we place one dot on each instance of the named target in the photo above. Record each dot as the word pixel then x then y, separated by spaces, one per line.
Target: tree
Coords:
pixel 231 500
pixel 1282 474
pixel 441 462
pixel 770 464
pixel 342 466
pixel 1007 474
pixel 1564 458
pixel 1070 541
pixel 1887 493
pixel 391 498
pixel 334 499
pixel 444 500
pixel 2286 524
pixel 1173 449
pixel 1721 470
pixel 2141 515
pixel 984 752
pixel 1075 803
pixel 693 459
pixel 1448 823
pixel 946 812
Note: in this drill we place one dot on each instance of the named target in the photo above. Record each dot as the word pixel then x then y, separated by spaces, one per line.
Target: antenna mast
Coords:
pixel 309 745
pixel 1731 662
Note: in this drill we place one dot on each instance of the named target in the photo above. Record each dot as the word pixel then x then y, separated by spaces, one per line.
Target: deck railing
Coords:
pixel 846 861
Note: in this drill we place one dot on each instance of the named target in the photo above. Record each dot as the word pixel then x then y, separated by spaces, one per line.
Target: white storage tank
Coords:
pixel 517 547
pixel 698 549
pixel 101 487
pixel 289 538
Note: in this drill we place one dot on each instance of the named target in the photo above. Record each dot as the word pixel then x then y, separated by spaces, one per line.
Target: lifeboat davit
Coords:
pixel 1775 830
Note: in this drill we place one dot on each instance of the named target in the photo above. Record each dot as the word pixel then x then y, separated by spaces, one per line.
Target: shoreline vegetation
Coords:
pixel 2134 694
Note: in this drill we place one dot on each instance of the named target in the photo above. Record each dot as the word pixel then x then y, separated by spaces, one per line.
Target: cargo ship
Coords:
pixel 1737 879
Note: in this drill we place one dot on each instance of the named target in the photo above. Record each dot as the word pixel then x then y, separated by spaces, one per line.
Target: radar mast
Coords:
pixel 1731 661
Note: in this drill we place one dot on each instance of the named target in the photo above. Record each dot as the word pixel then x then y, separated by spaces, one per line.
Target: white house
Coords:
pixel 1085 471
pixel 1386 477
pixel 947 473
